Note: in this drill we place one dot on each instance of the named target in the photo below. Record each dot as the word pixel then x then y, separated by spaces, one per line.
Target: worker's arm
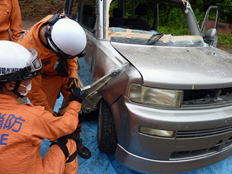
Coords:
pixel 37 96
pixel 52 128
pixel 16 21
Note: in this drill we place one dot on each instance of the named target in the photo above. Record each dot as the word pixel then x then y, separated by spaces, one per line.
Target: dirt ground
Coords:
pixel 37 8
pixel 227 49
pixel 34 10
pixel 27 23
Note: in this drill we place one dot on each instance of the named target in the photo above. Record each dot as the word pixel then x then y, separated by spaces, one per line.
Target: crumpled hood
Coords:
pixel 180 67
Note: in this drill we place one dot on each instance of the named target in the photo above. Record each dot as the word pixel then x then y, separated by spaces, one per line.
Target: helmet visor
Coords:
pixel 34 66
pixel 31 70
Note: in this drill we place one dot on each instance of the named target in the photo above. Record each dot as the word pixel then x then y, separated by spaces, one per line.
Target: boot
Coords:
pixel 83 151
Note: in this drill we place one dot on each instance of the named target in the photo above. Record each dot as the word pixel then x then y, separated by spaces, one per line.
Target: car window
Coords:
pixel 140 15
pixel 88 18
pixel 71 8
pixel 136 15
pixel 172 20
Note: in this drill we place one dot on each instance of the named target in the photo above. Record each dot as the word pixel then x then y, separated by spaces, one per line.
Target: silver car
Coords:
pixel 164 101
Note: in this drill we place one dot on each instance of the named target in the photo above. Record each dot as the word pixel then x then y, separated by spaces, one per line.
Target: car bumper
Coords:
pixel 146 153
pixel 145 165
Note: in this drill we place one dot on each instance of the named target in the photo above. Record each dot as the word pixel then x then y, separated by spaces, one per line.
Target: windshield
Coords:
pixel 147 23
pixel 142 37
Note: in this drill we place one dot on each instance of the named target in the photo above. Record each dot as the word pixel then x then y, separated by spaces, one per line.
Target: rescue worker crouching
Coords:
pixel 58 40
pixel 24 126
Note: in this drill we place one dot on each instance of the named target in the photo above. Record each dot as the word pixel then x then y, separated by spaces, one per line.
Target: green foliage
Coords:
pixel 172 20
pixel 225 40
pixel 199 15
pixel 225 8
pixel 172 30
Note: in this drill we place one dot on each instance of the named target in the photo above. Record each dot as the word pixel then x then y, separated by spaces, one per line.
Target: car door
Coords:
pixel 99 62
pixel 85 12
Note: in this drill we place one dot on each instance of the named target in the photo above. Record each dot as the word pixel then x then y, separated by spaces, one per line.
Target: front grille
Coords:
pixel 221 145
pixel 207 97
pixel 202 133
pixel 194 153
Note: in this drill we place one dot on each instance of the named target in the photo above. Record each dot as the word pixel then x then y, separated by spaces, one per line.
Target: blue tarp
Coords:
pixel 101 163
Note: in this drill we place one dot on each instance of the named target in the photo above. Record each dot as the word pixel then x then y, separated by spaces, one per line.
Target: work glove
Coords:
pixel 72 83
pixel 76 94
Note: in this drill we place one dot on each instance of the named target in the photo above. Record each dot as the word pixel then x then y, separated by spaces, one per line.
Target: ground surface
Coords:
pixel 34 10
pixel 38 8
pixel 227 49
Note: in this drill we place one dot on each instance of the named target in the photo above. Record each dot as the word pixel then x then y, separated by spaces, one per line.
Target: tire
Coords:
pixel 106 133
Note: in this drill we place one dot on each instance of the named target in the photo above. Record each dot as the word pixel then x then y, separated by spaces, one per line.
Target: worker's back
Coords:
pixel 22 128
pixel 16 128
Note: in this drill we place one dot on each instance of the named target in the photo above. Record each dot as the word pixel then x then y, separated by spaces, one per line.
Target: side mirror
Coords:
pixel 211 37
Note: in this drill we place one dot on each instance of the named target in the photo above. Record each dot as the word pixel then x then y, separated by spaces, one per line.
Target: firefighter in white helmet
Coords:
pixel 24 126
pixel 59 41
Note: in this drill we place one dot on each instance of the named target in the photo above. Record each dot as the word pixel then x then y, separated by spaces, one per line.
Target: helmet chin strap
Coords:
pixel 15 90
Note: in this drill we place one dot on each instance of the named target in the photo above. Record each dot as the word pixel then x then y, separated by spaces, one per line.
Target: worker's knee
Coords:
pixel 68 145
pixel 71 145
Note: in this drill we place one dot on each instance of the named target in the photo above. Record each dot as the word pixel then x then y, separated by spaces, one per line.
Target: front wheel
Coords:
pixel 106 133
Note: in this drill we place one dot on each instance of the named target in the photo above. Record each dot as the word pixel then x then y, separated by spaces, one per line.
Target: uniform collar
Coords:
pixel 4 98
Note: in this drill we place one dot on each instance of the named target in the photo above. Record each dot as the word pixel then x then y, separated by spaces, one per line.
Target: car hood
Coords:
pixel 179 67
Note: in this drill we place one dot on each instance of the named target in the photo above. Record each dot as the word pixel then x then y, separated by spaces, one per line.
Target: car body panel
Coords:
pixel 180 68
pixel 142 164
pixel 167 155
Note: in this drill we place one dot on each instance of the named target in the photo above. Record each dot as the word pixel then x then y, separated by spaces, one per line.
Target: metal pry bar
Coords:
pixel 92 96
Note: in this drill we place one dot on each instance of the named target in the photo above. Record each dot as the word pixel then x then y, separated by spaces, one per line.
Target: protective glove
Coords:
pixel 76 94
pixel 72 82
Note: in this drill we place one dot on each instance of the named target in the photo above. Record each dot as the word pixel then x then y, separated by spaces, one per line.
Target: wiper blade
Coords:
pixel 154 38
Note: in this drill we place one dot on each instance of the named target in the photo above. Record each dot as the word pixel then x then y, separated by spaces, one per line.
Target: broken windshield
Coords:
pixel 141 37
pixel 147 23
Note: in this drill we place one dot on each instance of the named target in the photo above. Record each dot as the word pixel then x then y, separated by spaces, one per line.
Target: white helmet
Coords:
pixel 65 36
pixel 17 63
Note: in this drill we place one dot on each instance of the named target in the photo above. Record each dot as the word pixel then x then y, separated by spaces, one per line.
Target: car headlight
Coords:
pixel 156 97
pixel 156 132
